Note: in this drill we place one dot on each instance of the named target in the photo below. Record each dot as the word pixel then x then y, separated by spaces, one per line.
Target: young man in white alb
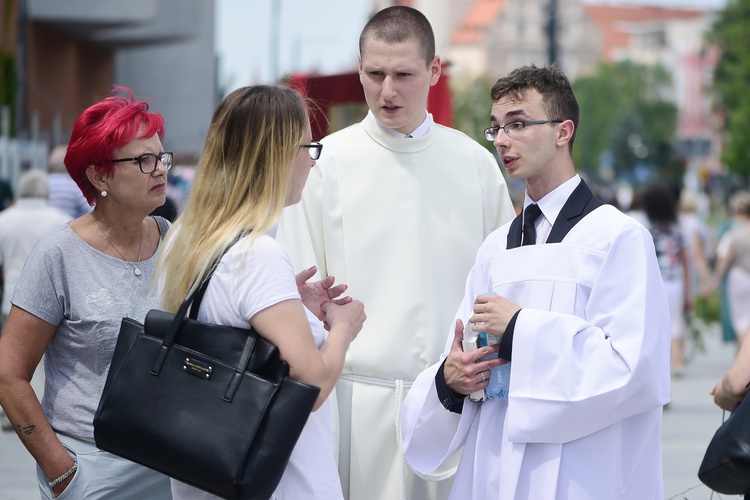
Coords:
pixel 396 209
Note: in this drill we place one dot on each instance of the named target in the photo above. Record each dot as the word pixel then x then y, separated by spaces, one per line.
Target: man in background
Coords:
pixel 64 193
pixel 396 208
pixel 21 226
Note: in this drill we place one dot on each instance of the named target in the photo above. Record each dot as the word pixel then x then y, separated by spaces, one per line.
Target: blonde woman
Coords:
pixel 255 161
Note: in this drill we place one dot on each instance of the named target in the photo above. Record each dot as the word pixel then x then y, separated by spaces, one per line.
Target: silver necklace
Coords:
pixel 136 269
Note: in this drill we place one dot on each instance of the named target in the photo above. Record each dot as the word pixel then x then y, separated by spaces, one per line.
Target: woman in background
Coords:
pixel 660 206
pixel 75 288
pixel 734 264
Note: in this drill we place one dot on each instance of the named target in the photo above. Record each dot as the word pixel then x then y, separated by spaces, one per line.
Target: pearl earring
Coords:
pixel 104 194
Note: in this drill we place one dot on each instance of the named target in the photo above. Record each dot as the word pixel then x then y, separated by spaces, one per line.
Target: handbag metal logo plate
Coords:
pixel 198 368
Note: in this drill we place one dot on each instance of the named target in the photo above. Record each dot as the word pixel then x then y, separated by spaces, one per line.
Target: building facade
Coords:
pixel 71 54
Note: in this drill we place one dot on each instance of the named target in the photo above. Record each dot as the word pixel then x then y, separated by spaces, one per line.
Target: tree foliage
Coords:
pixel 626 118
pixel 7 79
pixel 471 109
pixel 731 33
pixel 7 62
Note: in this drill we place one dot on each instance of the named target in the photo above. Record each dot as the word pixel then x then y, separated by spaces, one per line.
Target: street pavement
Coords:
pixel 690 421
pixel 17 467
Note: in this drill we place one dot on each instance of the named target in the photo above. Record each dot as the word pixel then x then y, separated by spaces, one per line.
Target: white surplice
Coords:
pixel 399 221
pixel 589 373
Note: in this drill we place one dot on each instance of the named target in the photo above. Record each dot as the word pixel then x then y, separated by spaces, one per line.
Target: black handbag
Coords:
pixel 210 405
pixel 726 464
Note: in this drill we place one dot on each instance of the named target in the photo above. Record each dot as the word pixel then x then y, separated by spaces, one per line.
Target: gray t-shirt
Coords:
pixel 86 293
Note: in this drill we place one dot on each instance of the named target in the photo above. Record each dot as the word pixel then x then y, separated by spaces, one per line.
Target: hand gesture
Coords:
pixel 492 313
pixel 350 315
pixel 315 293
pixel 466 372
pixel 722 399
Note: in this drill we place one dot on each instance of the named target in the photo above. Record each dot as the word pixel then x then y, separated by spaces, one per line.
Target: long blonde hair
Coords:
pixel 241 183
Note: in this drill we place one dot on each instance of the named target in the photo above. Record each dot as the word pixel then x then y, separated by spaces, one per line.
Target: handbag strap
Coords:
pixel 195 298
pixel 201 291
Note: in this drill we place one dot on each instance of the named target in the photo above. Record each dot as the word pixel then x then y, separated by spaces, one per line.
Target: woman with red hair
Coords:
pixel 77 285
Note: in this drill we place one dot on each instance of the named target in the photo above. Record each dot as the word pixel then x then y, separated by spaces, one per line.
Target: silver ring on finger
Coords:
pixel 483 377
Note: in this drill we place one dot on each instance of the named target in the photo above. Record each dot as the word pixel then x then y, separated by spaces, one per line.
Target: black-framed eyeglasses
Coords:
pixel 314 149
pixel 513 128
pixel 147 161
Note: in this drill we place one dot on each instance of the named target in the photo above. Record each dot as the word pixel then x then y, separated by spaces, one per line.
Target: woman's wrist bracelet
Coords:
pixel 65 476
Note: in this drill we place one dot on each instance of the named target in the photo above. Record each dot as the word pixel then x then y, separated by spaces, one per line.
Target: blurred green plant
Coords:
pixel 707 308
pixel 706 311
pixel 732 72
pixel 7 78
pixel 626 114
pixel 7 63
pixel 471 109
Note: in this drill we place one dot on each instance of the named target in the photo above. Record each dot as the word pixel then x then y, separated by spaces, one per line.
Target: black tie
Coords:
pixel 530 215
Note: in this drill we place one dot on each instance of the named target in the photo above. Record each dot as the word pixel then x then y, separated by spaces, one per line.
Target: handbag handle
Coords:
pixel 169 336
pixel 241 368
pixel 179 316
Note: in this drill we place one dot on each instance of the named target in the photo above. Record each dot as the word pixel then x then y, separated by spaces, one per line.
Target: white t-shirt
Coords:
pixel 251 278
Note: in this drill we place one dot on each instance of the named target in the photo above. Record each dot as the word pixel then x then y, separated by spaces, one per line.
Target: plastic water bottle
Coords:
pixel 499 375
pixel 499 382
pixel 471 343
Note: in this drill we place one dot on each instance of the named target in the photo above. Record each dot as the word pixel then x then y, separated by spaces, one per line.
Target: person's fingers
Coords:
pixel 342 301
pixel 458 335
pixel 305 275
pixel 334 291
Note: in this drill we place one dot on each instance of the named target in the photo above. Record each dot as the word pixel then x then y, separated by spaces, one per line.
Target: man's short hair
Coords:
pixel 33 184
pixel 396 25
pixel 558 98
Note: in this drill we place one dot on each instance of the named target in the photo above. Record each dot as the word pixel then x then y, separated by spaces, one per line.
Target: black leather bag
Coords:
pixel 726 464
pixel 212 406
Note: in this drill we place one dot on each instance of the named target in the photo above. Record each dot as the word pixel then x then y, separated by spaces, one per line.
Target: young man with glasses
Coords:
pixel 396 208
pixel 580 314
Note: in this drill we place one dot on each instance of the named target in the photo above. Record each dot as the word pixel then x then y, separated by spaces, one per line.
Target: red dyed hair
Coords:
pixel 103 128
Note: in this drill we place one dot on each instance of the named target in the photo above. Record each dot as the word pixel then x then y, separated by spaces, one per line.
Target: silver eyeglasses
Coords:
pixel 513 128
pixel 314 149
pixel 147 161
